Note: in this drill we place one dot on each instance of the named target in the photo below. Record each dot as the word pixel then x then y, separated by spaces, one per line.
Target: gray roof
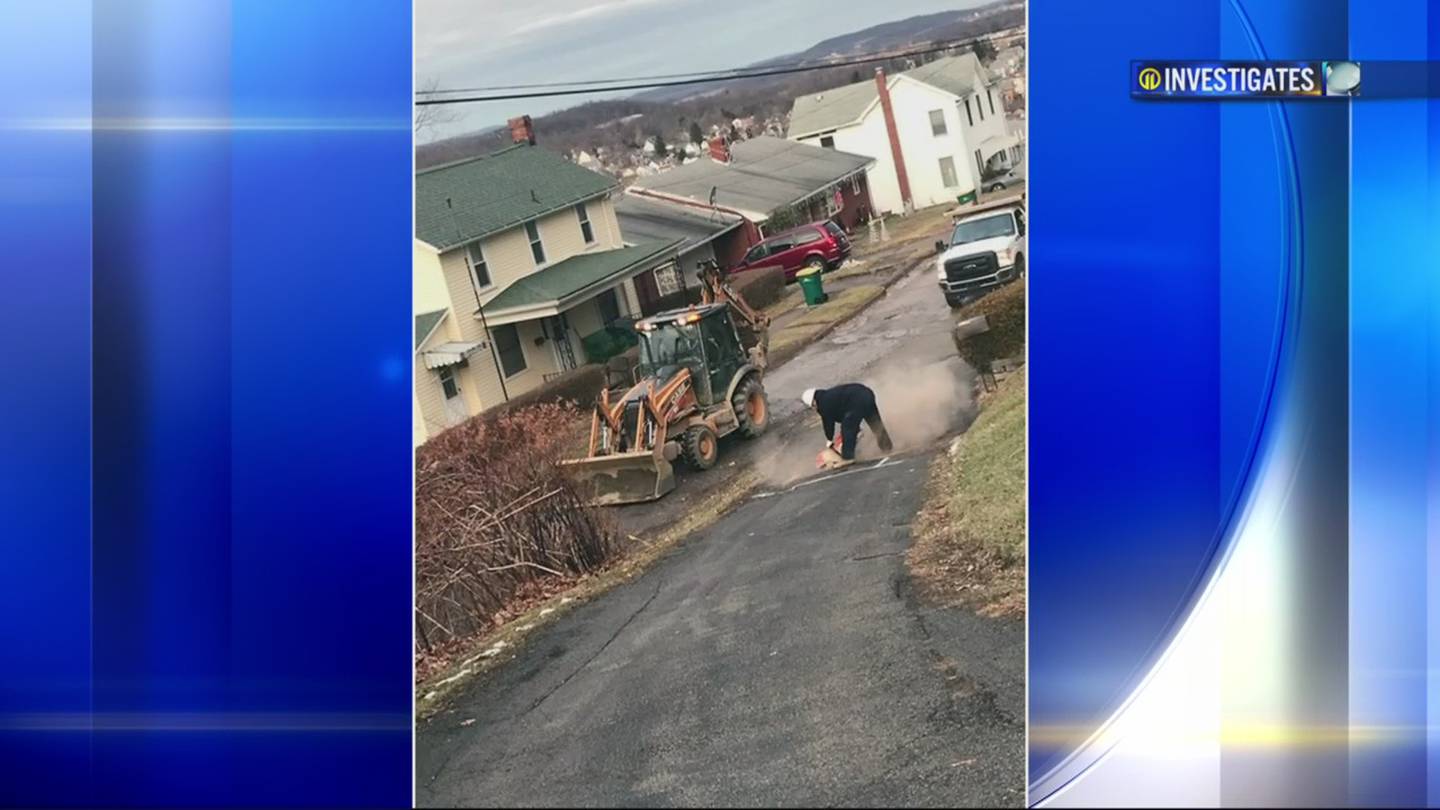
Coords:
pixel 425 323
pixel 764 175
pixel 643 220
pixel 494 192
pixel 843 106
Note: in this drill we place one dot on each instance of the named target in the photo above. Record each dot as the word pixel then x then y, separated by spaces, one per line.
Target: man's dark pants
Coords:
pixel 850 433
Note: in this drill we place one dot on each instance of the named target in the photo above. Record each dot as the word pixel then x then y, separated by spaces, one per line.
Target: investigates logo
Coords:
pixel 1161 80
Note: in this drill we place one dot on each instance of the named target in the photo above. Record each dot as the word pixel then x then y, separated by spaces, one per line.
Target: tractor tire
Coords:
pixel 699 447
pixel 752 407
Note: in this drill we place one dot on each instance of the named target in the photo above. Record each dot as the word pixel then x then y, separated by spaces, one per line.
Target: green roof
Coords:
pixel 558 282
pixel 462 201
pixel 425 324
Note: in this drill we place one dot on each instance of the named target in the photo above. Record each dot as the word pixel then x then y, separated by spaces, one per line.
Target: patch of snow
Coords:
pixel 457 676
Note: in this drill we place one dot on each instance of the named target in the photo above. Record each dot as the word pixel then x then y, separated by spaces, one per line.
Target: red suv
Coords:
pixel 819 244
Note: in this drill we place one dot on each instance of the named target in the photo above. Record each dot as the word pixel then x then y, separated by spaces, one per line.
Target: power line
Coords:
pixel 579 82
pixel 703 77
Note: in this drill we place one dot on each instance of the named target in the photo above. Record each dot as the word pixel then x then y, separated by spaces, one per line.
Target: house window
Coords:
pixel 667 279
pixel 855 185
pixel 827 141
pixel 536 249
pixel 968 116
pixel 585 229
pixel 609 306
pixel 448 383
pixel 979 163
pixel 947 172
pixel 937 122
pixel 479 270
pixel 990 95
pixel 980 108
pixel 507 345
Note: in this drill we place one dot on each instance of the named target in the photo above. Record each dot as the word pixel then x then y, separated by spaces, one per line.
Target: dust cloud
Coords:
pixel 920 402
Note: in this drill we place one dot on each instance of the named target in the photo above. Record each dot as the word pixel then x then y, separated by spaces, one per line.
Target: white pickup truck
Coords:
pixel 986 248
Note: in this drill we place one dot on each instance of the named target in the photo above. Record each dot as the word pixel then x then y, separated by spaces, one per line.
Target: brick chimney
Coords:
pixel 720 149
pixel 522 131
pixel 896 153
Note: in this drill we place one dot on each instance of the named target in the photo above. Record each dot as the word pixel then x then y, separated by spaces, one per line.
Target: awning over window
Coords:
pixel 996 143
pixel 448 354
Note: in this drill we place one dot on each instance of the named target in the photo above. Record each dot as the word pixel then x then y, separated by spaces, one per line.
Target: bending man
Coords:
pixel 848 405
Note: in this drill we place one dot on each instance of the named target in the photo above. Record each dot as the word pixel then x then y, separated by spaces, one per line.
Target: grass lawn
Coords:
pixel 788 340
pixel 789 302
pixel 970 538
pixel 842 304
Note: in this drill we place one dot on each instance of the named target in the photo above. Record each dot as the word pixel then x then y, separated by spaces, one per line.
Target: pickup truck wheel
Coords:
pixel 955 301
pixel 752 408
pixel 1020 266
pixel 699 447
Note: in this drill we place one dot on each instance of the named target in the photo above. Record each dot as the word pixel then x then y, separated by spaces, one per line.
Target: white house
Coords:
pixel 935 131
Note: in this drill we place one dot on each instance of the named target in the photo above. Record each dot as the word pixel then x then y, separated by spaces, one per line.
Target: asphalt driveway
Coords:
pixel 775 659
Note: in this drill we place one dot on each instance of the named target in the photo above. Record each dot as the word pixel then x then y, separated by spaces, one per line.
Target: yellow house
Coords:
pixel 518 259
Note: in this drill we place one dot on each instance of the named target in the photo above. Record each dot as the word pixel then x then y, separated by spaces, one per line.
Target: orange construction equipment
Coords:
pixel 697 381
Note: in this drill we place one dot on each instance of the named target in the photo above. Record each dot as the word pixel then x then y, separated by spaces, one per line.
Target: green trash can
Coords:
pixel 811 285
pixel 967 198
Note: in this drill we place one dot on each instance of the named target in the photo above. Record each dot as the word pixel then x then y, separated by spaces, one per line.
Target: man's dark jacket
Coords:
pixel 849 405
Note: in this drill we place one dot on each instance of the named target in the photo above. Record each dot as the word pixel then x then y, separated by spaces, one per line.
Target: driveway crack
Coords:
pixel 588 661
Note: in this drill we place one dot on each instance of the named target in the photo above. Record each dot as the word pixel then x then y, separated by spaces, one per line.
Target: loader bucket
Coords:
pixel 623 477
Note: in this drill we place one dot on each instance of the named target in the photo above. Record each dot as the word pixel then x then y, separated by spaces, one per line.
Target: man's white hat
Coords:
pixel 808 397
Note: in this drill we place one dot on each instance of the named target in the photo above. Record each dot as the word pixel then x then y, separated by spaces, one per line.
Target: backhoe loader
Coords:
pixel 697 381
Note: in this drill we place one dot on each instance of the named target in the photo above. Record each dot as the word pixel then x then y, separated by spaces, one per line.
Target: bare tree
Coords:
pixel 428 117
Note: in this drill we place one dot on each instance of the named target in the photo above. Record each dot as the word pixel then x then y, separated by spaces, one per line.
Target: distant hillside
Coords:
pixel 889 35
pixel 622 125
pixel 897 35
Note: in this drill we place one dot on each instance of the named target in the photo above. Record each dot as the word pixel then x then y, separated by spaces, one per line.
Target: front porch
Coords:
pixel 568 315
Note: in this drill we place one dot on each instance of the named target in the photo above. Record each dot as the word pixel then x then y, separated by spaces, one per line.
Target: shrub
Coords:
pixel 608 342
pixel 493 515
pixel 1004 311
pixel 761 286
pixel 579 387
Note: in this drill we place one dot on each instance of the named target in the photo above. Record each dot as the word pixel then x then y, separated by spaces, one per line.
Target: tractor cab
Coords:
pixel 702 339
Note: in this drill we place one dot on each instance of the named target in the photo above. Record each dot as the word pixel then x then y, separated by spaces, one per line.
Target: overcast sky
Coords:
pixel 475 43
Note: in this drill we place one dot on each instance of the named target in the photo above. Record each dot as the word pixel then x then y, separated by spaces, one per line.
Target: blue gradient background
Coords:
pixel 1249 262
pixel 1125 470
pixel 206 463
pixel 1395 417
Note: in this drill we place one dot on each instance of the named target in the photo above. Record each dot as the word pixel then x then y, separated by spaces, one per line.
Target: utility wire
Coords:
pixel 580 82
pixel 704 77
